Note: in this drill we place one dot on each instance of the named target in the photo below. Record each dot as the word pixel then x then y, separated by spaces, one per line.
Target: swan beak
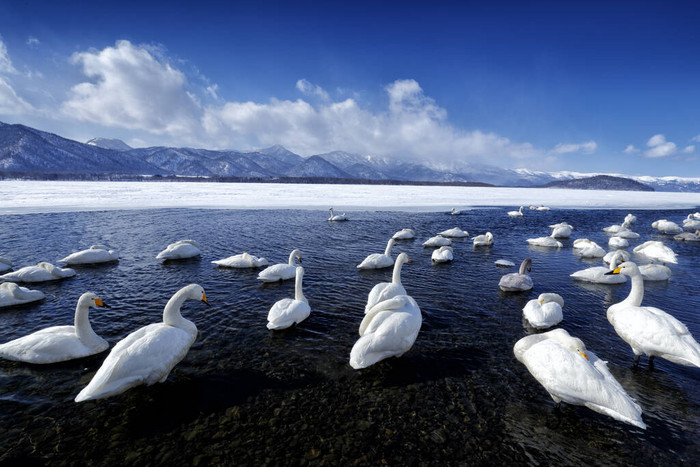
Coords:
pixel 204 299
pixel 540 302
pixel 99 302
pixel 299 259
pixel 408 259
pixel 614 271
pixel 584 355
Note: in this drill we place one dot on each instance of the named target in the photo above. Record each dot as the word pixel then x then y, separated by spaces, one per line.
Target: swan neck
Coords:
pixel 396 276
pixel 171 313
pixel 298 293
pixel 636 293
pixel 388 247
pixel 291 259
pixel 83 329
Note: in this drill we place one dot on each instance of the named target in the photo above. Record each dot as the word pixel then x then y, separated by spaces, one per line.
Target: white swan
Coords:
pixel 622 254
pixel 60 343
pixel 630 219
pixel 562 231
pixel 545 311
pixel 386 290
pixel 615 228
pixel 147 355
pixel 93 255
pixel 454 232
pixel 655 272
pixel 599 274
pixel 337 217
pixel 649 330
pixel 437 241
pixel 547 242
pixel 589 250
pixel 517 281
pixel 665 226
pixel 12 294
pixel 569 373
pixel 656 251
pixel 290 311
pixel 404 234
pixel 443 254
pixel 280 271
pixel 244 260
pixel 388 329
pixel 696 215
pixel 542 208
pixel 5 264
pixel 688 237
pixel 180 250
pixel 484 240
pixel 518 213
pixel 562 225
pixel 627 234
pixel 379 260
pixel 504 263
pixel 618 242
pixel 691 223
pixel 42 272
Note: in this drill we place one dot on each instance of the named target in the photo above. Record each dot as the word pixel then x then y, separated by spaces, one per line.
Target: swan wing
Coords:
pixel 383 291
pixel 277 272
pixel 541 316
pixel 286 312
pixel 376 261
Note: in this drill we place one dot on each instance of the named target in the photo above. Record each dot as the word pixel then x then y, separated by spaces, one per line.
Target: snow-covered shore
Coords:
pixel 21 197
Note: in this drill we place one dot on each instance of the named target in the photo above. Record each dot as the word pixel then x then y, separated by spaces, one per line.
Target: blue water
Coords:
pixel 247 395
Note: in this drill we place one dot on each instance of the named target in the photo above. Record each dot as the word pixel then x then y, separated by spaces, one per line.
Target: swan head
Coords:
pixel 403 258
pixel 526 266
pixel 549 298
pixel 569 342
pixel 92 300
pixel 48 266
pixel 295 254
pixel 628 268
pixel 489 236
pixel 195 292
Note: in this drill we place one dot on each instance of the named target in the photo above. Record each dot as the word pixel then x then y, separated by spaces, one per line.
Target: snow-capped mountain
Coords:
pixel 106 143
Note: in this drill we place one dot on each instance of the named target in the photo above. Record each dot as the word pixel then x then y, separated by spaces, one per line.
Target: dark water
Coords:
pixel 246 395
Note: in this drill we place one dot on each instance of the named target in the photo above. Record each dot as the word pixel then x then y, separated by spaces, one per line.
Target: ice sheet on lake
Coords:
pixel 17 197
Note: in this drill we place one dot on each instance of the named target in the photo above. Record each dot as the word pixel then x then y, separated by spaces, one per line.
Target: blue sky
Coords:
pixel 584 86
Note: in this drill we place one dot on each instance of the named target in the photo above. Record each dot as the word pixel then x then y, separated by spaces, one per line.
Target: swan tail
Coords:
pixel 634 417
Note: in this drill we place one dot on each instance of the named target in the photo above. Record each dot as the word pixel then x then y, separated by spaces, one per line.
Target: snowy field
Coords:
pixel 20 197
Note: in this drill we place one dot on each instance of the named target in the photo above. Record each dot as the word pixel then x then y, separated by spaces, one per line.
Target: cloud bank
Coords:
pixel 660 147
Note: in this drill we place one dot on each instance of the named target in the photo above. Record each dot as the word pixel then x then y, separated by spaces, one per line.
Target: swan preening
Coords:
pixel 5 264
pixel 656 251
pixel 379 260
pixel 42 272
pixel 386 290
pixel 94 255
pixel 588 249
pixel 288 311
pixel 545 311
pixel 618 242
pixel 180 250
pixel 437 241
pixel 483 240
pixel 571 374
pixel 12 294
pixel 281 272
pixel 443 254
pixel 562 230
pixel 517 281
pixel 60 343
pixel 649 330
pixel 244 260
pixel 337 217
pixel 665 226
pixel 147 355
pixel 518 213
pixel 454 232
pixel 404 234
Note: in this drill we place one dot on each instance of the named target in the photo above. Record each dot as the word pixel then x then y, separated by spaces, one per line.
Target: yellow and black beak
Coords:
pixel 204 299
pixel 100 303
pixel 408 259
pixel 614 271
pixel 584 355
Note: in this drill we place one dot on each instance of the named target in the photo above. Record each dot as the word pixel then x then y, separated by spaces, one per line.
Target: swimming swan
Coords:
pixel 437 241
pixel 518 213
pixel 289 311
pixel 404 234
pixel 688 237
pixel 649 330
pixel 618 242
pixel 388 329
pixel 691 223
pixel 60 343
pixel 454 232
pixel 545 311
pixel 517 281
pixel 337 217
pixel 93 255
pixel 483 240
pixel 665 226
pixel 599 274
pixel 589 250
pixel 386 290
pixel 656 251
pixel 442 255
pixel 546 242
pixel 180 250
pixel 655 272
pixel 379 260
pixel 569 373
pixel 147 355
pixel 281 272
pixel 561 231
pixel 12 294
pixel 42 272
pixel 244 260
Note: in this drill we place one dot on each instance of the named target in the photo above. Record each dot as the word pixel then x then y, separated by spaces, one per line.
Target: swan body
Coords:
pixel 627 234
pixel 60 343
pixel 379 260
pixel 287 311
pixel 630 219
pixel 244 260
pixel 688 237
pixel 545 311
pixel 42 272
pixel 483 240
pixel 621 254
pixel 517 281
pixel 454 232
pixel 281 272
pixel 386 290
pixel 504 263
pixel 437 241
pixel 591 250
pixel 180 250
pixel 388 329
pixel 518 213
pixel 12 294
pixel 569 373
pixel 665 226
pixel 147 355
pixel 542 208
pixel 442 255
pixel 547 242
pixel 599 274
pixel 94 255
pixel 691 223
pixel 561 232
pixel 561 224
pixel 404 234
pixel 337 217
pixel 649 330
pixel 618 242
pixel 615 228
pixel 656 251
pixel 5 264
pixel 696 215
pixel 655 272
pixel 455 212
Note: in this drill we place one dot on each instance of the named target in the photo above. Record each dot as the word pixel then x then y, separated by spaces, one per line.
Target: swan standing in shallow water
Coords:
pixel 379 260
pixel 281 272
pixel 545 311
pixel 94 255
pixel 388 329
pixel 437 241
pixel 244 260
pixel 147 355
pixel 5 264
pixel 569 373
pixel 60 343
pixel 290 311
pixel 454 232
pixel 483 240
pixel 517 281
pixel 386 290
pixel 12 294
pixel 442 255
pixel 42 272
pixel 337 217
pixel 656 251
pixel 649 330
pixel 404 234
pixel 518 213
pixel 180 250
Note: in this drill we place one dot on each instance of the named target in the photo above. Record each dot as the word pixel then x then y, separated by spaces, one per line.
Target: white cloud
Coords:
pixel 310 89
pixel 10 102
pixel 565 148
pixel 689 149
pixel 661 150
pixel 656 140
pixel 630 149
pixel 695 138
pixel 5 62
pixel 33 42
pixel 132 88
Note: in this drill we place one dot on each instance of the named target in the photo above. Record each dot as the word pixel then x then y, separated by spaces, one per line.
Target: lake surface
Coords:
pixel 246 395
